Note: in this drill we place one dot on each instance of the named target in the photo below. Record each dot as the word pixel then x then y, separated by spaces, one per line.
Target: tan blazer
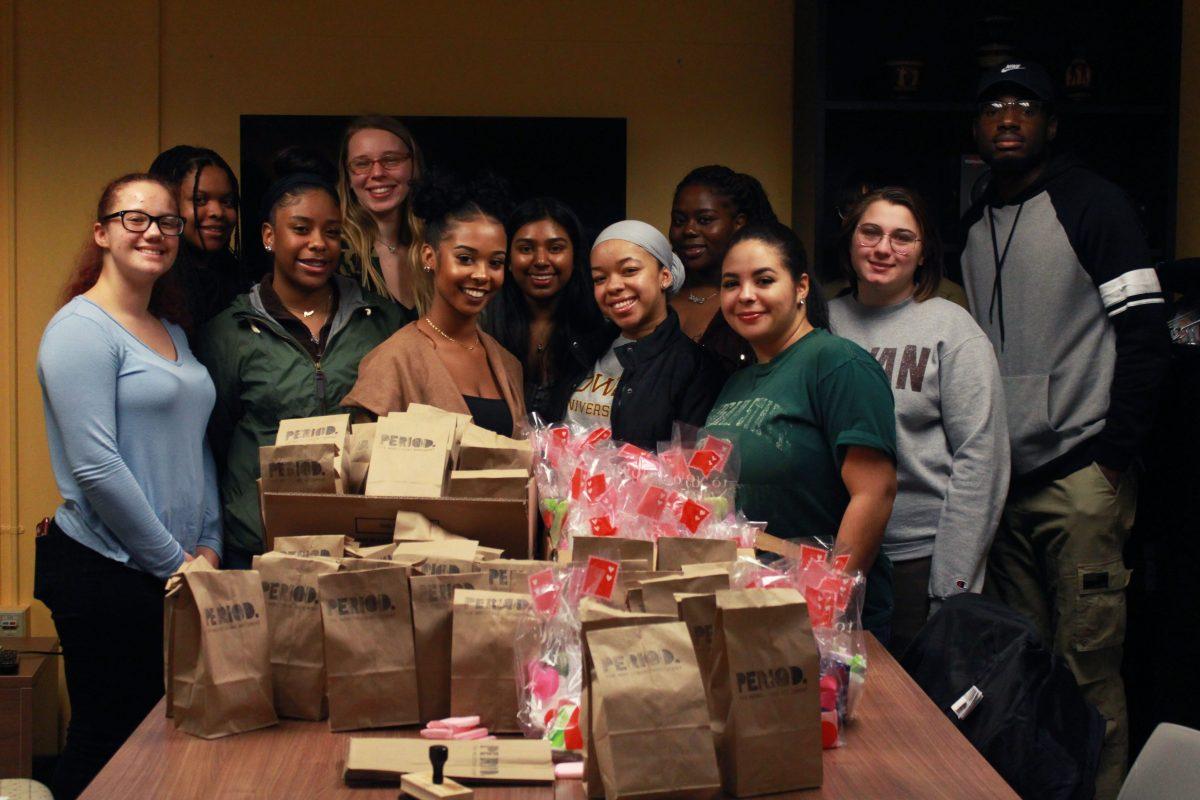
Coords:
pixel 406 369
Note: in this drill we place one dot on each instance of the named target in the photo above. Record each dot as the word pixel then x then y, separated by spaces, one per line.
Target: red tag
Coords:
pixel 602 526
pixel 693 514
pixel 810 556
pixel 653 502
pixel 577 483
pixel 840 562
pixel 600 577
pixel 721 447
pixel 544 591
pixel 705 461
pixel 561 434
pixel 596 436
pixel 820 607
pixel 595 486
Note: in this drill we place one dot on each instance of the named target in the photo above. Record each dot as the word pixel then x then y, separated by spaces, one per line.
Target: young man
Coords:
pixel 1058 274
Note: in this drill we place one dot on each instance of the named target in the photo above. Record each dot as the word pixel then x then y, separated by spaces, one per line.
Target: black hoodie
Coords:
pixel 1076 316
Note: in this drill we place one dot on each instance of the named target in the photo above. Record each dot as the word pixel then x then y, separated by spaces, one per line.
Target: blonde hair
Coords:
pixel 358 228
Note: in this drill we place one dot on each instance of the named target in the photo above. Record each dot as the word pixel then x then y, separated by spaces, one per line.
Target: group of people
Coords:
pixel 883 421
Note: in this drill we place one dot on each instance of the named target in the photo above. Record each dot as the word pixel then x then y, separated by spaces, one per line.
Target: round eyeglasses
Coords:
pixel 389 161
pixel 902 241
pixel 140 221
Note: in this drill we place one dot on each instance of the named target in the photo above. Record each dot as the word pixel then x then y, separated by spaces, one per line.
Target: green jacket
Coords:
pixel 263 375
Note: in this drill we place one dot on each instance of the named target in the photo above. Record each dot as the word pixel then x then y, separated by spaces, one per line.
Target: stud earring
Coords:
pixel 429 269
pixel 268 248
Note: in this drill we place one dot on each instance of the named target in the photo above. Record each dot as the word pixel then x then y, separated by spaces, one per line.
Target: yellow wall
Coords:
pixel 99 89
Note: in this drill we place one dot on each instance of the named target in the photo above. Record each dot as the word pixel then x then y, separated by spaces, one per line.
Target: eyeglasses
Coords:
pixel 140 221
pixel 994 108
pixel 389 161
pixel 902 241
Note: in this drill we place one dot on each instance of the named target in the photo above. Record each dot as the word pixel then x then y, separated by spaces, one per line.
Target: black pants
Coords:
pixel 109 620
pixel 911 582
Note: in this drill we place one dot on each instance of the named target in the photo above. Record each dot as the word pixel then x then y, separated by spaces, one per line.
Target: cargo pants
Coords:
pixel 1057 558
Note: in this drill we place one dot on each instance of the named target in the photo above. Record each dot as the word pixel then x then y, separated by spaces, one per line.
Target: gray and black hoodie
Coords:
pixel 1076 316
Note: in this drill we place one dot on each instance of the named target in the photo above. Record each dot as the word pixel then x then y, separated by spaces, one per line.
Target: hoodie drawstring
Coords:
pixel 997 286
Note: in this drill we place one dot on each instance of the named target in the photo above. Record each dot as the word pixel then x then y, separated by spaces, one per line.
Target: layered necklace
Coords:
pixel 450 338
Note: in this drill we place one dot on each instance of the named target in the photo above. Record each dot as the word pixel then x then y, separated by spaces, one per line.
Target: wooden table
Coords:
pixel 900 746
pixel 35 679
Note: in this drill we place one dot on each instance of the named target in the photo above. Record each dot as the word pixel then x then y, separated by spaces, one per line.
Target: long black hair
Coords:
pixel 174 164
pixel 575 311
pixel 744 192
pixel 791 253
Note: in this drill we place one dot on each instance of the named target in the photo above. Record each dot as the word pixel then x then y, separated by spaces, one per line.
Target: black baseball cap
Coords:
pixel 1027 75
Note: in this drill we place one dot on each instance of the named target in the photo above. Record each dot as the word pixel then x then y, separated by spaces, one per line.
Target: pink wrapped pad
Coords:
pixel 455 723
pixel 436 733
pixel 569 771
pixel 474 733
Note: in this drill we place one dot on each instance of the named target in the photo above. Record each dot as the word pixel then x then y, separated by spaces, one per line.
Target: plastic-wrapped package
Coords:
pixel 548 652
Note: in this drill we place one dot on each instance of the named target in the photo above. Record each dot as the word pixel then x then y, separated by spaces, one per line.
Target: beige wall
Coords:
pixel 99 89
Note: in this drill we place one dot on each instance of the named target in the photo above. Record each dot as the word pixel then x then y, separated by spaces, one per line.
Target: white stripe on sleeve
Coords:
pixel 1134 288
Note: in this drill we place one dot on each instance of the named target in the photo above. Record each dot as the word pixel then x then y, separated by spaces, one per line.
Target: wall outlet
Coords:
pixel 14 621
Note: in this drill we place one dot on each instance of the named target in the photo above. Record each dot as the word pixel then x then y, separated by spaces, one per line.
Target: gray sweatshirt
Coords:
pixel 951 433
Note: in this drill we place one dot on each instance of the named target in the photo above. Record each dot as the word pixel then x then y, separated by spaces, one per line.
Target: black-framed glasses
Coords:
pixel 991 109
pixel 902 241
pixel 389 161
pixel 140 222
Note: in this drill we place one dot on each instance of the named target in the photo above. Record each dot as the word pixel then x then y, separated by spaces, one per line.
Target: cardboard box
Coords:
pixel 508 524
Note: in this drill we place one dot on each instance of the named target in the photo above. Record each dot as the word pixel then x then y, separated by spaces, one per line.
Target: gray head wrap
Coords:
pixel 649 239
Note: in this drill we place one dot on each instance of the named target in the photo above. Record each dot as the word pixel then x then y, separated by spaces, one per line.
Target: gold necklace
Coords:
pixel 448 337
pixel 305 314
pixel 698 300
pixel 391 248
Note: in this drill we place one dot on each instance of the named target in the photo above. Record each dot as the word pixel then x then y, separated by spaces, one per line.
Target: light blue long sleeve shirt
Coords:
pixel 126 428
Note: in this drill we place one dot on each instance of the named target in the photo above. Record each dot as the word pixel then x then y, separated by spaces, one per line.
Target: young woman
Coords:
pixel 125 404
pixel 711 203
pixel 545 303
pixel 207 267
pixel 379 161
pixel 953 460
pixel 444 359
pixel 289 348
pixel 813 419
pixel 642 373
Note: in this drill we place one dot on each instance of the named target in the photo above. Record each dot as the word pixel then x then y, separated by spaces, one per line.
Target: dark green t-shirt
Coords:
pixel 791 420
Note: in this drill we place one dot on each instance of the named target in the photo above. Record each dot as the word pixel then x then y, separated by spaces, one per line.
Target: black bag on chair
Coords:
pixel 985 666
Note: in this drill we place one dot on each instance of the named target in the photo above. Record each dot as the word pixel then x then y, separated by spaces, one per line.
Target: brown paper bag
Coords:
pixel 510 484
pixel 376 552
pixel 461 423
pixel 659 593
pixel 763 690
pixel 289 586
pixel 651 721
pixel 369 654
pixel 436 565
pixel 476 761
pixel 482 673
pixel 630 579
pixel 219 654
pixel 299 468
pixel 309 546
pixel 332 429
pixel 173 585
pixel 409 456
pixel 595 615
pixel 699 613
pixel 459 549
pixel 414 527
pixel 357 459
pixel 510 574
pixel 615 548
pixel 433 607
pixel 480 448
pixel 675 551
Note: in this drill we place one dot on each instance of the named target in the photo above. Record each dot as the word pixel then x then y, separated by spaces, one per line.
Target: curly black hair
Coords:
pixel 744 192
pixel 441 198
